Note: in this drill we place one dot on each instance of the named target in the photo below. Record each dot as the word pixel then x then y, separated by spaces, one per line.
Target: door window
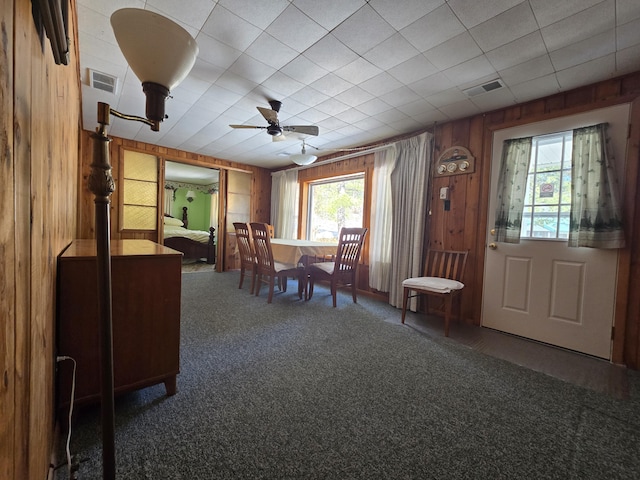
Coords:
pixel 548 192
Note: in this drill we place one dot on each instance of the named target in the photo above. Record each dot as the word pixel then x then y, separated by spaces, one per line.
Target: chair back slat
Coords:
pixel 445 264
pixel 349 248
pixel 262 246
pixel 243 239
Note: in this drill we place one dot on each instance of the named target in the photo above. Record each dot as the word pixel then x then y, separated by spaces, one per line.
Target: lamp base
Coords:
pixel 156 96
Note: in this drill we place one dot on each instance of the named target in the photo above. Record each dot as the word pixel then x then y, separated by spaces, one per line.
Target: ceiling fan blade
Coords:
pixel 247 126
pixel 269 115
pixel 306 129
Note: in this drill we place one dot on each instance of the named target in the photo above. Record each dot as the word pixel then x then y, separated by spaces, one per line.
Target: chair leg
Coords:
pixel 310 294
pixel 353 291
pixel 271 287
pixel 334 292
pixel 253 281
pixel 447 314
pixel 257 285
pixel 405 298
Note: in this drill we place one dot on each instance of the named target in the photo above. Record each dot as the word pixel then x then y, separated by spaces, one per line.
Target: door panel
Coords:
pixel 542 289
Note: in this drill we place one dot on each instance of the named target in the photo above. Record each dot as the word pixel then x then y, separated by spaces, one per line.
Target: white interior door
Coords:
pixel 542 289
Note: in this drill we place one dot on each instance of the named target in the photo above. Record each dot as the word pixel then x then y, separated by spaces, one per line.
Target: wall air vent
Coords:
pixel 487 87
pixel 103 81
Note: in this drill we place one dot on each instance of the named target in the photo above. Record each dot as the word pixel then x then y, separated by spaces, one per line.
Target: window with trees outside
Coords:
pixel 334 203
pixel 548 192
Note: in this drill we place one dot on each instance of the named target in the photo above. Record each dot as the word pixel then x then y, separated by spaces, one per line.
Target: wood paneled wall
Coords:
pixel 463 226
pixel 260 184
pixel 39 132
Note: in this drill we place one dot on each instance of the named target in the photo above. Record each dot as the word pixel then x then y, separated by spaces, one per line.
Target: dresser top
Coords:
pixel 119 248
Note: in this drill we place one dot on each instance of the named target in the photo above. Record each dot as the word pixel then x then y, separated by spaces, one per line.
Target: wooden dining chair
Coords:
pixel 268 270
pixel 444 270
pixel 248 264
pixel 343 270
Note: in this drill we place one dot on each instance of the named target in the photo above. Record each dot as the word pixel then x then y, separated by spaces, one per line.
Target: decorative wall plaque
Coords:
pixel 455 161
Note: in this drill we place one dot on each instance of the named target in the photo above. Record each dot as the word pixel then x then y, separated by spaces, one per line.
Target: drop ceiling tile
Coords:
pixel 95 24
pixel 330 53
pixel 536 88
pixel 493 100
pixel 400 96
pixel 329 13
pixel 237 84
pixel 309 96
pixel 363 30
pixel 551 12
pixel 447 97
pixel 390 116
pixel 251 69
pixel 271 51
pixel 351 115
pixel 331 85
pixel 368 123
pixel 592 48
pixel 283 84
pixel 380 84
pixel 505 28
pixel 470 71
pixel 354 96
pixel 400 17
pixel 107 8
pixel 304 70
pixel 296 30
pixel 358 71
pixel 205 71
pixel 107 52
pixel 313 116
pixel 332 107
pixel 538 67
pixel 519 51
pixel 433 29
pixel 406 125
pixel 261 14
pixel 453 52
pixel 332 123
pixel 215 52
pixel 462 109
pixel 586 73
pixel 474 13
pixel 195 15
pixel 230 29
pixel 627 10
pixel 416 108
pixel 581 26
pixel 628 35
pixel 374 106
pixel 391 52
pixel 431 85
pixel 628 60
pixel 412 70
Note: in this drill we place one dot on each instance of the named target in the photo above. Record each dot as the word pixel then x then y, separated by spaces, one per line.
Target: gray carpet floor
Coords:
pixel 300 390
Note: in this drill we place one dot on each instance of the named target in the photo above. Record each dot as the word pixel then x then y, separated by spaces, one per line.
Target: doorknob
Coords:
pixel 493 246
pixel 492 231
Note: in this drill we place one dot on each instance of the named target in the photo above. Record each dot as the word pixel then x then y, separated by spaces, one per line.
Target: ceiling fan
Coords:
pixel 274 128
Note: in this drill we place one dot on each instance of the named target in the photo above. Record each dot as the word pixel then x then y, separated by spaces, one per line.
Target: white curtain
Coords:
pixel 168 200
pixel 596 216
pixel 381 220
pixel 284 203
pixel 409 184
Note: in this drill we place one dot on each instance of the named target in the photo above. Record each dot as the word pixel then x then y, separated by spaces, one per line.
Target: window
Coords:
pixel 139 191
pixel 548 193
pixel 334 203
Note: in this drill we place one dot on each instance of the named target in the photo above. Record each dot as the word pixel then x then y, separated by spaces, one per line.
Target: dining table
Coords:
pixel 302 253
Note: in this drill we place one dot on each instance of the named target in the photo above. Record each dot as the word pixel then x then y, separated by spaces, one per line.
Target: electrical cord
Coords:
pixel 73 391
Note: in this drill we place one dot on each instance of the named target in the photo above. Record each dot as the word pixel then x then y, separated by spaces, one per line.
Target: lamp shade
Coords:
pixel 190 195
pixel 157 49
pixel 303 158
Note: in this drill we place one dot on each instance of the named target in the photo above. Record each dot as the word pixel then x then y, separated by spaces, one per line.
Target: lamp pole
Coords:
pixel 101 184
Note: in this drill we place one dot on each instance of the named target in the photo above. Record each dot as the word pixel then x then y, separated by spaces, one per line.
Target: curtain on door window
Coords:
pixel 284 203
pixel 596 219
pixel 381 219
pixel 409 180
pixel 516 154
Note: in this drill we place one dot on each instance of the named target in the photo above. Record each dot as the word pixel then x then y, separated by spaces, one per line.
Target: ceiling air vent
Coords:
pixel 103 81
pixel 487 87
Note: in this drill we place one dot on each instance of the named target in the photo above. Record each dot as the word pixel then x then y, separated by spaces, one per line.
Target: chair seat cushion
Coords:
pixel 326 267
pixel 433 284
pixel 279 267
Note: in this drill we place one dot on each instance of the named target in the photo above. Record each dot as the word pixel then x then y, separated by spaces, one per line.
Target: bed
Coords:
pixel 194 244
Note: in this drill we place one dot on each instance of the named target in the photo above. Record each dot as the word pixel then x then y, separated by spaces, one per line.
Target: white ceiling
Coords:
pixel 363 71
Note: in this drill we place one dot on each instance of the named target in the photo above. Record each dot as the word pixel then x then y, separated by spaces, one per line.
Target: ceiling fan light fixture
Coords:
pixel 274 130
pixel 303 159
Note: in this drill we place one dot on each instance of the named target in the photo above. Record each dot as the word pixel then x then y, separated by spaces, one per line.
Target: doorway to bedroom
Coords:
pixel 191 209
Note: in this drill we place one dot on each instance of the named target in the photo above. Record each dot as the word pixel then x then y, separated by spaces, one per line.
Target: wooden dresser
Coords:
pixel 146 284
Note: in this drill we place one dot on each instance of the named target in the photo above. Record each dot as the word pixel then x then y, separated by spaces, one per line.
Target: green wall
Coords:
pixel 199 210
